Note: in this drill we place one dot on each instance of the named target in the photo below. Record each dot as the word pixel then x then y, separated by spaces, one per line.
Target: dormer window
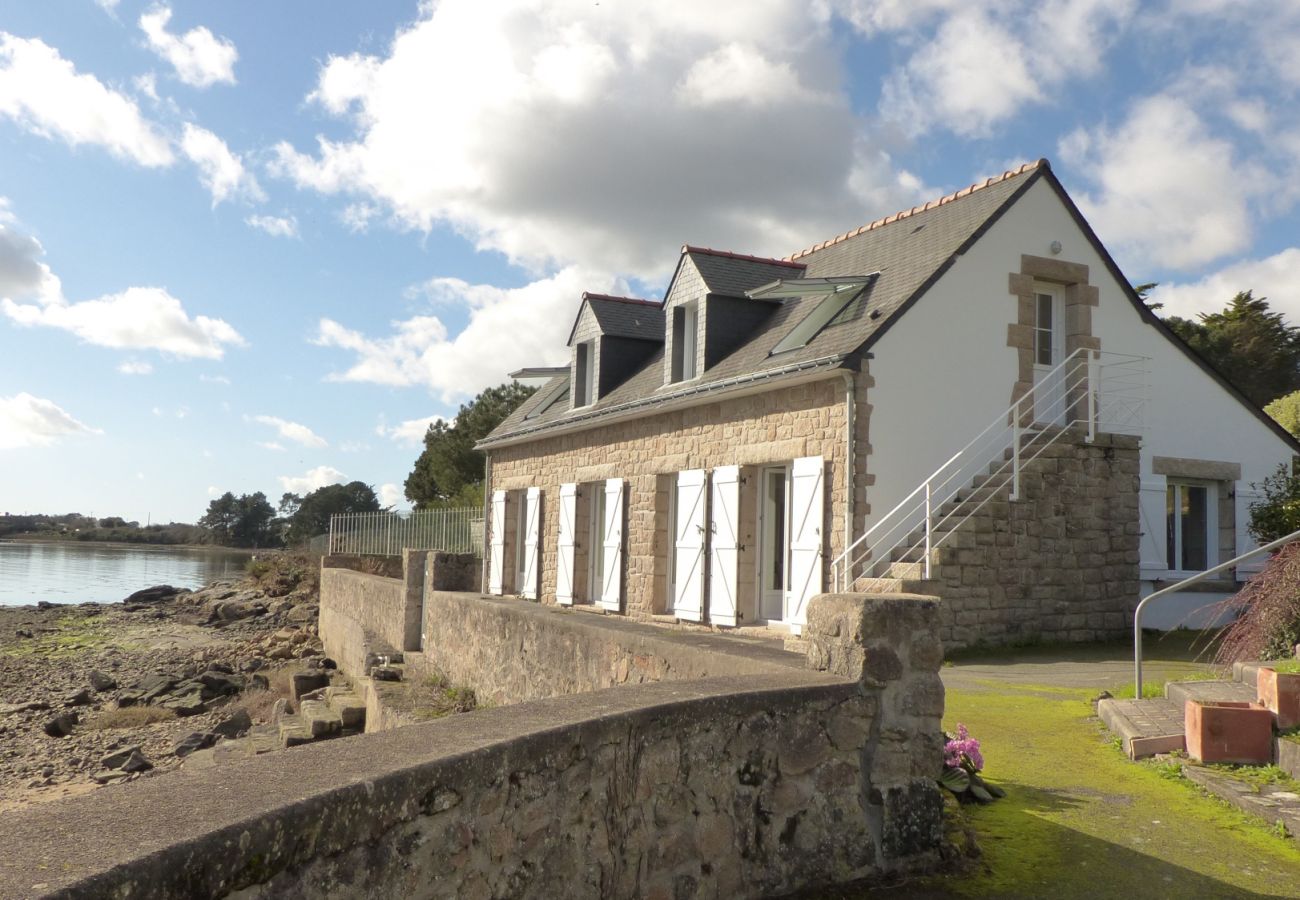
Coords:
pixel 584 374
pixel 686 321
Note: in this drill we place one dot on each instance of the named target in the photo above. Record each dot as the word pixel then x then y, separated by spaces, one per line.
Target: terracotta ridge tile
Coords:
pixel 690 248
pixel 929 204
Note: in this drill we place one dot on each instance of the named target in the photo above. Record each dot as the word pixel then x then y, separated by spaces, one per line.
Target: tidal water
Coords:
pixel 65 572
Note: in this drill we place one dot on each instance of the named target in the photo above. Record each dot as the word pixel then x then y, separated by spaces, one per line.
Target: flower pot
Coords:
pixel 1280 692
pixel 1226 732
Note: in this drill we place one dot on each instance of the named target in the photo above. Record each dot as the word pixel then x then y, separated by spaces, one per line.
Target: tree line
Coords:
pixel 249 520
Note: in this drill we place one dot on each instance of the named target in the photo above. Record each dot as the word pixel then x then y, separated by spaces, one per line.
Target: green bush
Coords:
pixel 1278 513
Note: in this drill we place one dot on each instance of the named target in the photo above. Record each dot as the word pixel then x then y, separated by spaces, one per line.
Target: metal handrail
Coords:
pixel 1173 588
pixel 1007 420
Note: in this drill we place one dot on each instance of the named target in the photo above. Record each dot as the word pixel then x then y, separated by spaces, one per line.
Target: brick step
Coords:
pixel 1209 691
pixel 1145 727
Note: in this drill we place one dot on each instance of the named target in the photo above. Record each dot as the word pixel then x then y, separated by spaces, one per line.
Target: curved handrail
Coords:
pixel 1174 588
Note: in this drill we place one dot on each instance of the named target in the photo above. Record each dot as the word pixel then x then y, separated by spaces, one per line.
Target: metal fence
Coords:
pixel 389 533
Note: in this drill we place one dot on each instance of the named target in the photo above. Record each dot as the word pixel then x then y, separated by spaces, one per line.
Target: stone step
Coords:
pixel 895 586
pixel 294 731
pixel 906 571
pixel 350 708
pixel 1146 727
pixel 1209 692
pixel 320 719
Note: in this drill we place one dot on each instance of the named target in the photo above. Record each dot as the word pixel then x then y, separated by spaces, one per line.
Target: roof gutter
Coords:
pixel 696 395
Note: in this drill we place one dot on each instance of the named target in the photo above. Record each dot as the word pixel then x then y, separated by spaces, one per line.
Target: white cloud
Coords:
pixel 560 132
pixel 135 367
pixel 1151 175
pixel 221 171
pixel 410 432
pixel 1276 277
pixel 276 226
pixel 984 62
pixel 108 6
pixel 354 447
pixel 292 431
pixel 214 379
pixel 536 317
pixel 27 421
pixel 201 59
pixel 270 445
pixel 311 480
pixel 44 94
pixel 392 495
pixel 147 84
pixel 138 318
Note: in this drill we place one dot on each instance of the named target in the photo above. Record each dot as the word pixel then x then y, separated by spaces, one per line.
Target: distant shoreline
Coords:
pixel 137 545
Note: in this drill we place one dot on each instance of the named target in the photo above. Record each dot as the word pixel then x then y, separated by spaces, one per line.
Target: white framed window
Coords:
pixel 686 326
pixel 1191 525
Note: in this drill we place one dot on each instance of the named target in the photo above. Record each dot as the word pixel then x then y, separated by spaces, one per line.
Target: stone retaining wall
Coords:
pixel 361 614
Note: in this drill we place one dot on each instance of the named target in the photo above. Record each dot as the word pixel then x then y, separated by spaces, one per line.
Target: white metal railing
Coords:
pixel 1088 391
pixel 389 533
pixel 1175 588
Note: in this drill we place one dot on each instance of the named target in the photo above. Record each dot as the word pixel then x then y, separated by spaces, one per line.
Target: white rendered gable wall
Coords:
pixel 943 371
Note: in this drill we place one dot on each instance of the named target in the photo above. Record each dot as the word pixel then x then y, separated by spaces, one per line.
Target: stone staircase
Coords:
pixel 971 509
pixel 337 712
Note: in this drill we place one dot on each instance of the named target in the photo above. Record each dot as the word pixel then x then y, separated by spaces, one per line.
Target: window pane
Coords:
pixel 1045 311
pixel 1195 528
pixel 1043 347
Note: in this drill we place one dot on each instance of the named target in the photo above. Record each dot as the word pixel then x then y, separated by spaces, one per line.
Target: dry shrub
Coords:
pixel 259 702
pixel 1269 624
pixel 129 717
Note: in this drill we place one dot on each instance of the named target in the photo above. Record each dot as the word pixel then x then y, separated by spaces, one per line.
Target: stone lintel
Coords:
pixel 1058 270
pixel 1209 469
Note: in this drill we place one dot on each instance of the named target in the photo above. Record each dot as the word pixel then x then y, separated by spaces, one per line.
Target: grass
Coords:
pixel 75 633
pixel 1080 820
pixel 1285 666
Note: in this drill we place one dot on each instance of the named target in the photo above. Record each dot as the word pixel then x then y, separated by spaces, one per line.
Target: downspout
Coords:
pixel 850 412
pixel 487 519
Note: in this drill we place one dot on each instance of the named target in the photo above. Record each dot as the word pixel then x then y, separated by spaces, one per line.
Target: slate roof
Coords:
pixel 625 317
pixel 910 250
pixel 731 274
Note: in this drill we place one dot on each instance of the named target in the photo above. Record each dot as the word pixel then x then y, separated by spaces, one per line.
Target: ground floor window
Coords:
pixel 1190 525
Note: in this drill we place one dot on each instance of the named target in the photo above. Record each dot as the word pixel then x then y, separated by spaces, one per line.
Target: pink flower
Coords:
pixel 963 751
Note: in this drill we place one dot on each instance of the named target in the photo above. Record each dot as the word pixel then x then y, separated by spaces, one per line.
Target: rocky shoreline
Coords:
pixel 96 694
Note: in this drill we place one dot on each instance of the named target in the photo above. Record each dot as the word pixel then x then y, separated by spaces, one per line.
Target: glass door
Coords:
pixel 774 549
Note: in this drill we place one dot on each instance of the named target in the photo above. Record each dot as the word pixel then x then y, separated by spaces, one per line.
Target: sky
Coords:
pixel 256 246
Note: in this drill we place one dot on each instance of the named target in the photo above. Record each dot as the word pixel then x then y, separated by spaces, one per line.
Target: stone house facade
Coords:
pixel 838 421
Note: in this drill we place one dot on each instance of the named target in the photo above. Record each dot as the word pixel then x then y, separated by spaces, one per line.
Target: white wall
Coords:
pixel 944 371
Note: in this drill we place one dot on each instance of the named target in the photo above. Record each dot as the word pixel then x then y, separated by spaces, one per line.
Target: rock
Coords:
pixel 260 681
pixel 306 682
pixel 11 708
pixel 61 725
pixel 47 771
pixel 386 673
pixel 136 763
pixel 101 682
pixel 191 704
pixel 118 758
pixel 233 725
pixel 24 633
pixel 156 594
pixel 105 776
pixel 326 663
pixel 220 684
pixel 283 651
pixel 278 710
pixel 45 604
pixel 308 612
pixel 254 664
pixel 199 740
pixel 223 668
pixel 80 698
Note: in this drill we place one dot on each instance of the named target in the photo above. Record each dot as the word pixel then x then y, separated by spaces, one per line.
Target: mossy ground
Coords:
pixel 76 633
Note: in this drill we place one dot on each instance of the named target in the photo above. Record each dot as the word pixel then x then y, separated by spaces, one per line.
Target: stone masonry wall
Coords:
pixel 361 614
pixel 1061 563
pixel 753 785
pixel 772 427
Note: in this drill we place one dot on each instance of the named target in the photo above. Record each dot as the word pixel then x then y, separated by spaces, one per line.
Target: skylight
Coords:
pixel 842 299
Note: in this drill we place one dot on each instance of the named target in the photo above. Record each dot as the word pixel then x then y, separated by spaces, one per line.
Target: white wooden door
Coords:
pixel 497 548
pixel 532 533
pixel 724 544
pixel 611 590
pixel 807 561
pixel 688 546
pixel 564 558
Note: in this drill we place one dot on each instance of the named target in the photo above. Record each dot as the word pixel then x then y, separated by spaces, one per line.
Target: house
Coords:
pixel 964 399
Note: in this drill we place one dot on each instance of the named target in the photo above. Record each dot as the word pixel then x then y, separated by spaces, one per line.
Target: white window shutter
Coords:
pixel 611 591
pixel 1245 541
pixel 532 534
pixel 807 513
pixel 564 558
pixel 724 544
pixel 497 548
pixel 688 545
pixel 1151 514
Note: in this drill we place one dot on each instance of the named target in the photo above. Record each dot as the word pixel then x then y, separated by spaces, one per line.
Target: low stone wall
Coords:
pixel 360 614
pixel 510 651
pixel 771 779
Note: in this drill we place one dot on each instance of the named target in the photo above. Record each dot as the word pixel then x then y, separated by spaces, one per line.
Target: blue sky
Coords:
pixel 249 246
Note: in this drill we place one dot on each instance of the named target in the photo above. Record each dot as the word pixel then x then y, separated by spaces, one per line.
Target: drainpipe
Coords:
pixel 850 411
pixel 487 519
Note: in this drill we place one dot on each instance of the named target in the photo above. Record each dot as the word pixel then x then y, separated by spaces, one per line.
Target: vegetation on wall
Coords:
pixel 1268 626
pixel 1277 513
pixel 449 472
